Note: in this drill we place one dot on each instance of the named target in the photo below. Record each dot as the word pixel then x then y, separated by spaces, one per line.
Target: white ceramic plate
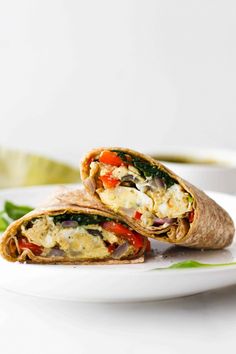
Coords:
pixel 119 283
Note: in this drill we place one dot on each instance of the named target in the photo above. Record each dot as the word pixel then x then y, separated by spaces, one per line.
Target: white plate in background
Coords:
pixel 118 283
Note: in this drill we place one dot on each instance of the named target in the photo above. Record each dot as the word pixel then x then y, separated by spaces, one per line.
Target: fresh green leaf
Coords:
pixel 3 224
pixel 194 264
pixel 82 219
pixel 190 198
pixel 149 170
pixel 16 211
pixel 145 168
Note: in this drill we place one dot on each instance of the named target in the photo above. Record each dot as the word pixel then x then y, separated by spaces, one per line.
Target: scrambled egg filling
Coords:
pixel 71 241
pixel 126 197
pixel 145 195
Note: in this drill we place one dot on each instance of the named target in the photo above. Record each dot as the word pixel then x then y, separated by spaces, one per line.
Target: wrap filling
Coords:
pixel 76 236
pixel 134 187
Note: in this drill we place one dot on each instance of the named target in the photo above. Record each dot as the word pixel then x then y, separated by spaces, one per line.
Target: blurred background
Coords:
pixel 78 74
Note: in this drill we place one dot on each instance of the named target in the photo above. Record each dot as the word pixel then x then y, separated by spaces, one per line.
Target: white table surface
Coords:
pixel 204 323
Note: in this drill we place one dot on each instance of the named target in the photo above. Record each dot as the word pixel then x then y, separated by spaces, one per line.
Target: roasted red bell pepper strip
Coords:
pixel 109 181
pixel 133 237
pixel 24 244
pixel 137 215
pixel 191 216
pixel 110 158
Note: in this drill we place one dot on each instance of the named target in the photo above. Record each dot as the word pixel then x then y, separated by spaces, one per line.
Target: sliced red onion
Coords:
pixel 156 183
pixel 159 221
pixel 126 178
pixel 56 252
pixel 129 178
pixel 69 223
pixel 120 250
pixel 90 184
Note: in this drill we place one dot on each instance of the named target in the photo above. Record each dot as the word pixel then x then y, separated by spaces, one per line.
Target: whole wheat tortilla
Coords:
pixel 212 227
pixel 77 201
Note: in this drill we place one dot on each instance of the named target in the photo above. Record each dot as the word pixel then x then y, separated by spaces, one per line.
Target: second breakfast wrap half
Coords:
pixel 154 200
pixel 72 228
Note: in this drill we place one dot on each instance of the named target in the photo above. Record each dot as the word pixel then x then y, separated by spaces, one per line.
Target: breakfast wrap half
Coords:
pixel 154 200
pixel 71 229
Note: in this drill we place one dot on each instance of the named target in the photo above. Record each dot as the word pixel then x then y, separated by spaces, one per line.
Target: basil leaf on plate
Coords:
pixel 16 211
pixel 3 223
pixel 194 264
